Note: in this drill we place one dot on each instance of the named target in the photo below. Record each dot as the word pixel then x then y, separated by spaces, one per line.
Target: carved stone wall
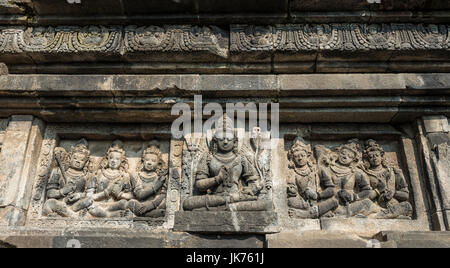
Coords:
pixel 87 152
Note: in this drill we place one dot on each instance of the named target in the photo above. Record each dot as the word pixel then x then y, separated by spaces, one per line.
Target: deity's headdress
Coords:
pixel 81 147
pixel 224 124
pixel 299 145
pixel 373 146
pixel 152 148
pixel 353 146
pixel 116 147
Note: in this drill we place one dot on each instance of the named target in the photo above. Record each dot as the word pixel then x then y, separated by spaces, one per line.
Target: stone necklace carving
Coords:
pixel 303 171
pixel 72 173
pixel 111 174
pixel 148 177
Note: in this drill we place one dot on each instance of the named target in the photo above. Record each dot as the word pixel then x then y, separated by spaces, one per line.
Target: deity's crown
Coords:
pixel 225 124
pixel 299 145
pixel 152 148
pixel 372 145
pixel 116 146
pixel 81 147
pixel 351 145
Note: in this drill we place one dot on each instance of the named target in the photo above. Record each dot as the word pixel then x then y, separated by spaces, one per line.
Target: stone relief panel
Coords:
pixel 81 180
pixel 352 179
pixel 225 173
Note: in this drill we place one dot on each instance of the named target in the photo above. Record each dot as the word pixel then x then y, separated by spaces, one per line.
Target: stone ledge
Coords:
pixel 228 85
pixel 370 227
pixel 258 222
pixel 416 239
pixel 313 98
pixel 113 238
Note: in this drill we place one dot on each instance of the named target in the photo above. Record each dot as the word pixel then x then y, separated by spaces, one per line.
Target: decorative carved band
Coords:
pixel 211 39
pixel 350 37
pixel 73 39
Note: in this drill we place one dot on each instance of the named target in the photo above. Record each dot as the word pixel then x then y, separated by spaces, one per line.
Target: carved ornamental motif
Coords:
pixel 69 39
pixel 345 182
pixel 351 37
pixel 176 38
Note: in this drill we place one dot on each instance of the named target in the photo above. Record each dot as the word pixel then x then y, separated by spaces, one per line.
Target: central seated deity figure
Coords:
pixel 225 179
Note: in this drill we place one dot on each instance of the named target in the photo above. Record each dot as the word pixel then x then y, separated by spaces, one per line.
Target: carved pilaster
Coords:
pixel 434 139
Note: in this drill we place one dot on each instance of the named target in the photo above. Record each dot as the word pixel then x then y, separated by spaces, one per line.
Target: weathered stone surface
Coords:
pixel 18 159
pixel 316 239
pixel 257 222
pixel 113 238
pixel 416 239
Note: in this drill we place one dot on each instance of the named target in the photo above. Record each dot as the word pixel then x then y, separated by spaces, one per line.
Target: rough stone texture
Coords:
pixel 314 98
pixel 435 140
pixel 113 238
pixel 21 146
pixel 316 239
pixel 416 239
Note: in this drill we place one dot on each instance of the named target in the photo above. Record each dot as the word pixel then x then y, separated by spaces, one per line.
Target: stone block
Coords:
pixel 370 227
pixel 437 123
pixel 416 239
pixel 258 222
pixel 316 239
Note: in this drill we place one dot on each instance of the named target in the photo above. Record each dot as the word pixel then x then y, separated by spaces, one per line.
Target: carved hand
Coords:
pixel 68 189
pixel 75 197
pixel 346 196
pixel 223 174
pixel 388 195
pixel 292 190
pixel 116 189
pixel 381 186
pixel 310 194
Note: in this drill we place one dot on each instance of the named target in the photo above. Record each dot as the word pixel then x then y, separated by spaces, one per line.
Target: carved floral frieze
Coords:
pixel 211 39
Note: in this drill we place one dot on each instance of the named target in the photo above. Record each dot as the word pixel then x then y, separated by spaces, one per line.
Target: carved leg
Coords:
pixel 82 204
pixel 299 213
pixel 157 213
pixel 399 210
pixel 120 205
pixel 142 208
pixel 295 202
pixel 97 212
pixel 327 206
pixel 362 207
pixel 204 201
pixel 53 206
pixel 260 205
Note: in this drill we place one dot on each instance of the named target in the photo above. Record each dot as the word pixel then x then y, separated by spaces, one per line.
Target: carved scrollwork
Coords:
pixel 344 37
pixel 176 38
